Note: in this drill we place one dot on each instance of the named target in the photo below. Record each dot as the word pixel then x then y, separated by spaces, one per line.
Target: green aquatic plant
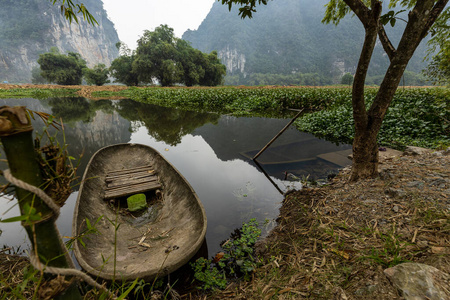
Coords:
pixel 238 259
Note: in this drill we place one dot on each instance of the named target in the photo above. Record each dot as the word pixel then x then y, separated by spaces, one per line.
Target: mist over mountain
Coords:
pixel 31 27
pixel 287 38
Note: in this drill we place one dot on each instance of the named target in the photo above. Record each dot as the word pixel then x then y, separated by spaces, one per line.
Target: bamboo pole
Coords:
pixel 17 140
pixel 279 133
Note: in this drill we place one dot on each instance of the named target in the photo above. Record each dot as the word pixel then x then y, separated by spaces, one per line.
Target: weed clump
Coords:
pixel 238 259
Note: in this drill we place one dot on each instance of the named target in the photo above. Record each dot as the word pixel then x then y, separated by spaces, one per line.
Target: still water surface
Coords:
pixel 212 151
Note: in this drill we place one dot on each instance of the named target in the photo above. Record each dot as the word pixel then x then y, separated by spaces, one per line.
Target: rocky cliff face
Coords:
pixel 26 33
pixel 232 59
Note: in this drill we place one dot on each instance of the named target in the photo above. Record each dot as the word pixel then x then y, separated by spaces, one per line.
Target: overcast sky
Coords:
pixel 132 17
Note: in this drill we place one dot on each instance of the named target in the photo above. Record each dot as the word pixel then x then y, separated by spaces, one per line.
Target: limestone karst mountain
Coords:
pixel 31 27
pixel 286 39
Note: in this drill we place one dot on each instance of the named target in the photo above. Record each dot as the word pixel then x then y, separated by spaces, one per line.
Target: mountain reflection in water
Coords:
pixel 212 151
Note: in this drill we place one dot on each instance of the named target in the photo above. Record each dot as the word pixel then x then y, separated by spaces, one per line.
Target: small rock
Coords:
pixel 395 192
pixel 438 181
pixel 395 208
pixel 438 153
pixel 369 201
pixel 446 152
pixel 418 281
pixel 413 151
pixel 386 174
pixel 415 184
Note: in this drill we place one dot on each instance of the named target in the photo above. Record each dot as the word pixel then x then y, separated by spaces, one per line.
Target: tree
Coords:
pixel 421 16
pixel 192 62
pixel 347 78
pixel 200 68
pixel 215 71
pixel 122 67
pixel 169 60
pixel 60 68
pixel 156 57
pixel 36 76
pixel 98 75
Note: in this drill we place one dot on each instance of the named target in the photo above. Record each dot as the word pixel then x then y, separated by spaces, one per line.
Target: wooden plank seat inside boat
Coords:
pixel 127 182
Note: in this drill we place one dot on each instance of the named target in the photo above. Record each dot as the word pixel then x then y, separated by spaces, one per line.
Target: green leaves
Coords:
pixel 170 60
pixel 29 216
pixel 97 75
pixel 238 259
pixel 243 101
pixel 70 9
pixel 391 17
pixel 247 6
pixel 62 69
pixel 210 277
pixel 416 117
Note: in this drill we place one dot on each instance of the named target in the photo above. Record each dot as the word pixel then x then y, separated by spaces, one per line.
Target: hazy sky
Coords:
pixel 132 17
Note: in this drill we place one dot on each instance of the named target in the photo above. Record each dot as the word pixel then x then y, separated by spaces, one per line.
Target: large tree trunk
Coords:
pixel 368 124
pixel 365 155
pixel 365 151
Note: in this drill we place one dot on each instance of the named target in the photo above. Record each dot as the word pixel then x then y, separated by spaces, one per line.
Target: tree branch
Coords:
pixel 434 14
pixel 386 43
pixel 360 10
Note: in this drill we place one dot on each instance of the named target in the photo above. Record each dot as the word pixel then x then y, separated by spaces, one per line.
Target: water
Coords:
pixel 212 151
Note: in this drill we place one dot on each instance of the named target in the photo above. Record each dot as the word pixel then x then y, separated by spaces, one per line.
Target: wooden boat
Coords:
pixel 149 244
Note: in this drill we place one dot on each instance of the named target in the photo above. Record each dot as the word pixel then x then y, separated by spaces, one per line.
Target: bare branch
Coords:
pixel 386 42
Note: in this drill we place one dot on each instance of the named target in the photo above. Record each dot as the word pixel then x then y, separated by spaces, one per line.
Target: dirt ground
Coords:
pixel 333 242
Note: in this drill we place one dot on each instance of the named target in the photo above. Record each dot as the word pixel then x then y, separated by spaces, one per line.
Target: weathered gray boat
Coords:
pixel 152 243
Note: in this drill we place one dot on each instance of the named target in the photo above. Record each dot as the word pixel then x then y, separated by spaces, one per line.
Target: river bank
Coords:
pixel 334 242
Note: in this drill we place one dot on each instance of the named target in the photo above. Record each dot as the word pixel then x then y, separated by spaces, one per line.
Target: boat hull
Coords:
pixel 125 247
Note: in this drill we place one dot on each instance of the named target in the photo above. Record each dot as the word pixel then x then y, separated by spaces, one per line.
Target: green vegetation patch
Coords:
pixel 36 93
pixel 241 101
pixel 238 259
pixel 417 117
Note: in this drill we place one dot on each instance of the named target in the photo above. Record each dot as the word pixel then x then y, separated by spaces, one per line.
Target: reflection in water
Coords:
pixel 211 151
pixel 78 109
pixel 167 125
